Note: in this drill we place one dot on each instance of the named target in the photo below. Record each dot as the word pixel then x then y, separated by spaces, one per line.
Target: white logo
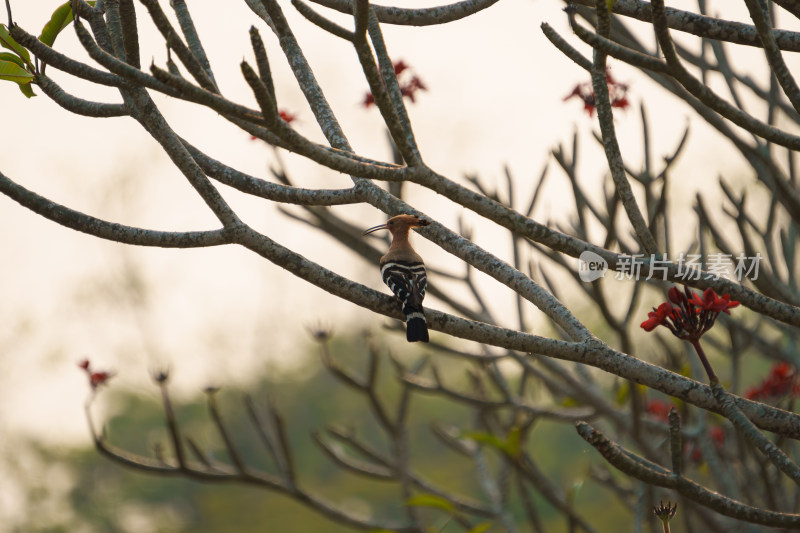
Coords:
pixel 591 266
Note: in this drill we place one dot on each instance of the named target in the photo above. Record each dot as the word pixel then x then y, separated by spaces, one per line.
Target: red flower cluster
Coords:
pixel 692 450
pixel 408 87
pixel 95 378
pixel 286 116
pixel 659 409
pixel 618 92
pixel 782 380
pixel 689 316
pixel 399 66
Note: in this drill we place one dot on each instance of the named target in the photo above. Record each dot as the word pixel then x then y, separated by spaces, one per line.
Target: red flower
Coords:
pixel 585 92
pixel 99 378
pixel 575 92
pixel 589 104
pixel 399 66
pixel 416 83
pixel 675 295
pixel 717 434
pixel 712 302
pixel 95 378
pixel 617 93
pixel 287 116
pixel 621 102
pixel 657 317
pixel 659 409
pixel 411 87
pixel 407 88
pixel 781 380
pixel 369 100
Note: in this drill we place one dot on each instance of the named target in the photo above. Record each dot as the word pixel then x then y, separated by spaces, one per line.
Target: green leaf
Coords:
pixel 59 20
pixel 8 56
pixel 573 491
pixel 623 393
pixel 27 89
pixel 11 71
pixel 480 528
pixel 430 500
pixel 485 438
pixel 610 4
pixel 514 442
pixel 7 42
pixel 569 401
pixel 511 446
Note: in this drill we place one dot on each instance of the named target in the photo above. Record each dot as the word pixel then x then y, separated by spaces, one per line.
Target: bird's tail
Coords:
pixel 416 325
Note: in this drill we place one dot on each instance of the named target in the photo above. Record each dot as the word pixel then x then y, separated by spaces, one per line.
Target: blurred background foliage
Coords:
pixel 98 495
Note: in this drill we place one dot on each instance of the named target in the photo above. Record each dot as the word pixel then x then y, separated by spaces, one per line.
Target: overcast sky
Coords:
pixel 495 98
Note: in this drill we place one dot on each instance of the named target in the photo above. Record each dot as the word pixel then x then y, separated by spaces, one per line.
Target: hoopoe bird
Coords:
pixel 403 271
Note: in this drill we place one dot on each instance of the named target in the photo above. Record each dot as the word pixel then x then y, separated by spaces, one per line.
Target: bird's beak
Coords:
pixel 375 228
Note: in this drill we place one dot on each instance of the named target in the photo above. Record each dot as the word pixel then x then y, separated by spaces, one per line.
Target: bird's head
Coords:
pixel 401 222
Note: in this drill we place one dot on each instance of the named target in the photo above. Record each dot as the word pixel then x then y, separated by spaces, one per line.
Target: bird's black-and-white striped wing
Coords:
pixel 407 281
